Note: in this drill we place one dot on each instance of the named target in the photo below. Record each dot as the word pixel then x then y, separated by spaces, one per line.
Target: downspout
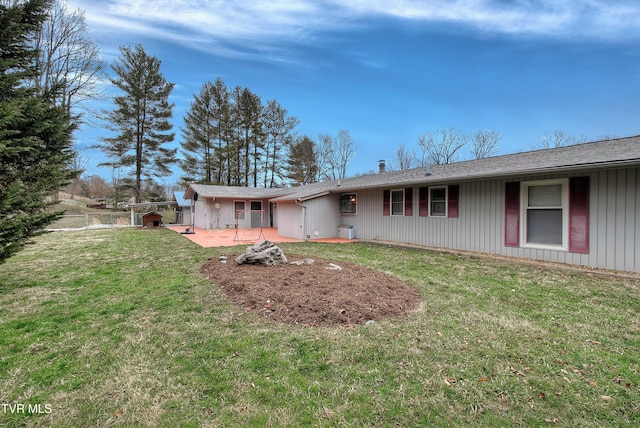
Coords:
pixel 304 218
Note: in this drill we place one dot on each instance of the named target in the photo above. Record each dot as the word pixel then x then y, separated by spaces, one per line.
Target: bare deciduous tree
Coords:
pixel 441 147
pixel 334 155
pixel 70 70
pixel 323 147
pixel 78 164
pixel 557 138
pixel 485 143
pixel 405 159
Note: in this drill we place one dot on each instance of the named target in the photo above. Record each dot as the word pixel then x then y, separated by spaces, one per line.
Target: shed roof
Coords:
pixel 179 197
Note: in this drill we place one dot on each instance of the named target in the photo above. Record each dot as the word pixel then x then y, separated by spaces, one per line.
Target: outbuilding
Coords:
pixel 152 220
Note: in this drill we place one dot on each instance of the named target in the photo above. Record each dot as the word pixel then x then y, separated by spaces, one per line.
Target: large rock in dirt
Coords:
pixel 264 253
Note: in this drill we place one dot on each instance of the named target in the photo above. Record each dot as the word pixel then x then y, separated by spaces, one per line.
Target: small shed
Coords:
pixel 184 209
pixel 152 220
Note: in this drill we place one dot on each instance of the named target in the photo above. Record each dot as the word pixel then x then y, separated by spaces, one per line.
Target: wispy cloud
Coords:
pixel 589 19
pixel 229 27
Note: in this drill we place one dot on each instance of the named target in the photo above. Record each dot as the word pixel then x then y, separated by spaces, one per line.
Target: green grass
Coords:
pixel 117 327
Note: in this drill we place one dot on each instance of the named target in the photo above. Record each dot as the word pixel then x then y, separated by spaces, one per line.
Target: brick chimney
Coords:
pixel 381 165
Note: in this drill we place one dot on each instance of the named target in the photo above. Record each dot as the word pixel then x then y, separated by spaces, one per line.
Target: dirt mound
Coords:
pixel 312 294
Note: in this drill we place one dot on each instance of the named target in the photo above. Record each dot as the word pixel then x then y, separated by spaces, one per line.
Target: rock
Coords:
pixel 264 253
pixel 332 266
pixel 303 262
pixel 370 322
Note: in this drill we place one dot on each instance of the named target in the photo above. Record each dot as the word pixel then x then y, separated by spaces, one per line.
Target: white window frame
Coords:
pixel 391 202
pixel 244 204
pixel 446 201
pixel 524 206
pixel 355 195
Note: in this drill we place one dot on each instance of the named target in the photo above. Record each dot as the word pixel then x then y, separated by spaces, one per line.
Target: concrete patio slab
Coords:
pixel 229 238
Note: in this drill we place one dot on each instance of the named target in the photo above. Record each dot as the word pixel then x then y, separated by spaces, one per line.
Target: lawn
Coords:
pixel 119 328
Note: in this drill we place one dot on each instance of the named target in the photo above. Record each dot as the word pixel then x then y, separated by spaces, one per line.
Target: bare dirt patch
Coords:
pixel 311 294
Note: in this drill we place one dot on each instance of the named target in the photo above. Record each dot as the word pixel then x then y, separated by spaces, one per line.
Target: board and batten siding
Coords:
pixel 289 219
pixel 614 221
pixel 323 217
pixel 209 217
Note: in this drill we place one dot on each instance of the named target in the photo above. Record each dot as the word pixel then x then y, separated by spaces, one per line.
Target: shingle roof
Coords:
pixel 624 151
pixel 214 191
pixel 601 154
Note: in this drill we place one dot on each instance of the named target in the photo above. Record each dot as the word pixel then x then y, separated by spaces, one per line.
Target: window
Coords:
pixel 238 206
pixel 545 214
pixel 397 202
pixel 348 203
pixel 438 201
pixel 549 214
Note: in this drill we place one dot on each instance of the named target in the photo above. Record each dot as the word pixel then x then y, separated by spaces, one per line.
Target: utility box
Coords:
pixel 346 232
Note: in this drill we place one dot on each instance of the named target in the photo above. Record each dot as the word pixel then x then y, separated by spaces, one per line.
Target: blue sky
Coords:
pixel 388 71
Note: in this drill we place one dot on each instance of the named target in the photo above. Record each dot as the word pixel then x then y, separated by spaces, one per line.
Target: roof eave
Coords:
pixel 431 179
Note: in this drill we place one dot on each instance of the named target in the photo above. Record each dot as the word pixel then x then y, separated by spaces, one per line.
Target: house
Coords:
pixel 578 205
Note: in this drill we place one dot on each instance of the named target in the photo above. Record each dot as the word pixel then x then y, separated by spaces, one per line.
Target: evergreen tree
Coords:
pixel 278 127
pixel 224 126
pixel 249 110
pixel 35 136
pixel 140 118
pixel 200 132
pixel 302 165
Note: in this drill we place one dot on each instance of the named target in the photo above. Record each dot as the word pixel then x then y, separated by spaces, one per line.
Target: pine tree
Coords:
pixel 302 165
pixel 140 118
pixel 249 110
pixel 35 136
pixel 200 133
pixel 278 126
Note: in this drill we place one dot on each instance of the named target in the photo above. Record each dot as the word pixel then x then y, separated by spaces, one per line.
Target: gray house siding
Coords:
pixel 290 220
pixel 207 216
pixel 323 217
pixel 614 225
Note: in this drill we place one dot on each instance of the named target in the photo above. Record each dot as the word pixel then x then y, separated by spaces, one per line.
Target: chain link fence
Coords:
pixel 98 220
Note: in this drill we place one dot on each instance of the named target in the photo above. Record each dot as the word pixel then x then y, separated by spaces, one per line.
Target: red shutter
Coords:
pixel 423 202
pixel 579 215
pixel 386 198
pixel 408 201
pixel 452 204
pixel 512 214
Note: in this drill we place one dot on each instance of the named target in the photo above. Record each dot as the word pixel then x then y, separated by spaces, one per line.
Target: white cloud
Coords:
pixel 223 25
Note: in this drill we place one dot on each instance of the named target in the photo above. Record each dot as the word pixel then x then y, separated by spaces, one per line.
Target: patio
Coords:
pixel 228 238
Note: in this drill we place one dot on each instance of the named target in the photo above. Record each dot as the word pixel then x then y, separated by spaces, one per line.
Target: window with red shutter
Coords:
pixel 408 201
pixel 423 202
pixel 512 214
pixel 453 196
pixel 579 215
pixel 386 203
